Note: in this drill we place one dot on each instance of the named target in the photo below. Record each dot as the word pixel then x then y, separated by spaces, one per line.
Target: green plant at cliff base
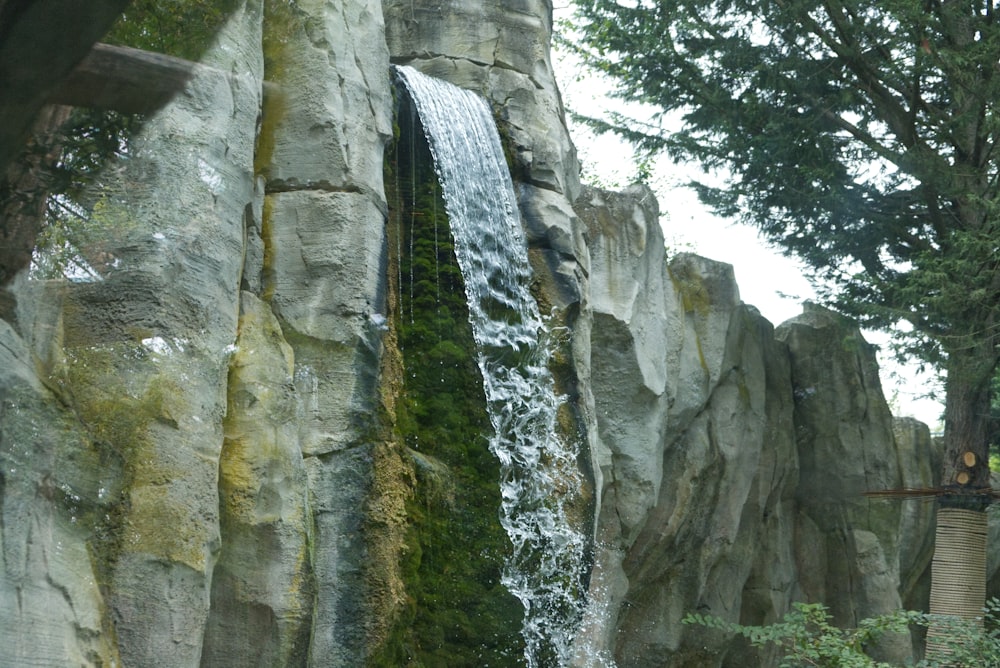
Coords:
pixel 806 637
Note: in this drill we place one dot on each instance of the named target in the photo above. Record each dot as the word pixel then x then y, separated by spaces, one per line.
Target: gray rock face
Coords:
pixel 693 407
pixel 161 575
pixel 197 467
pixel 920 466
pixel 328 116
pixel 138 362
pixel 260 612
pixel 846 447
pixel 324 276
pixel 223 432
pixel 733 461
pixel 500 50
pixel 56 480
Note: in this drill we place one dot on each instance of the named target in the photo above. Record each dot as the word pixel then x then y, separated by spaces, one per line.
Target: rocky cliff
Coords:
pixel 733 457
pixel 212 455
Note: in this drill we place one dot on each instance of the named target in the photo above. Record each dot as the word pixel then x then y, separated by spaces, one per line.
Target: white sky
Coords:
pixel 767 280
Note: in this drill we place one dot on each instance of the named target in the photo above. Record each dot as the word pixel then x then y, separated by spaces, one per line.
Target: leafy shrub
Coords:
pixel 806 637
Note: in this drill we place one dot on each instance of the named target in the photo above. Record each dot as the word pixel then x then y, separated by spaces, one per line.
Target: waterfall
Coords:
pixel 538 466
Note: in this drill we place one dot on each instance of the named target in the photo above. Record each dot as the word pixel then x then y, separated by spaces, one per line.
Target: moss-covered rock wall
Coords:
pixel 252 433
pixel 456 610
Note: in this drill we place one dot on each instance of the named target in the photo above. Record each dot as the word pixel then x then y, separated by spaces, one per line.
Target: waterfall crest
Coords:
pixel 538 466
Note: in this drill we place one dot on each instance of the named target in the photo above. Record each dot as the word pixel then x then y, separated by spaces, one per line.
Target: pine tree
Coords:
pixel 860 136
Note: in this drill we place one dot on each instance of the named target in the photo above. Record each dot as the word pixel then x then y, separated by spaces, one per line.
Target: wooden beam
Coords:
pixel 128 80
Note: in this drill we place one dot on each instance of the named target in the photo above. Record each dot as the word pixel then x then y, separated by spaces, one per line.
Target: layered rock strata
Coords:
pixel 201 463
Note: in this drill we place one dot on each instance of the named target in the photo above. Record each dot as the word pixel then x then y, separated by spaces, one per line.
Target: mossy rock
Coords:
pixel 455 611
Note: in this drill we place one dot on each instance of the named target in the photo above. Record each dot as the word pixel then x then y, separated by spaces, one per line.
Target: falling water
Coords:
pixel 538 467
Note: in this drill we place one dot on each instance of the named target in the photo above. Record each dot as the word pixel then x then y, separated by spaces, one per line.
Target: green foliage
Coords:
pixel 970 643
pixel 806 637
pixel 458 612
pixel 182 28
pixel 87 196
pixel 995 426
pixel 857 135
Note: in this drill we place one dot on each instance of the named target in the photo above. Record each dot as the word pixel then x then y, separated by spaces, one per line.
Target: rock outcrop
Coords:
pixel 733 458
pixel 139 362
pixel 204 460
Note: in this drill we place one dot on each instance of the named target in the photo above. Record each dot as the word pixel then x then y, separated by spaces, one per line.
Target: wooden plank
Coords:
pixel 128 80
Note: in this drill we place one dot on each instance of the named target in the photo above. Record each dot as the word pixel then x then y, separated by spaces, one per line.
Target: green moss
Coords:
pixel 273 112
pixel 281 21
pixel 743 390
pixel 267 238
pixel 118 421
pixel 455 611
pixel 122 410
pixel 695 299
pixel 852 343
pixel 701 354
pixel 691 287
pixel 118 418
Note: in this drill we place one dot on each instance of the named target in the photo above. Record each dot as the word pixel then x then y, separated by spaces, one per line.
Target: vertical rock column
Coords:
pixel 695 453
pixel 326 122
pixel 920 464
pixel 628 335
pixel 56 485
pixel 261 588
pixel 147 348
pixel 847 546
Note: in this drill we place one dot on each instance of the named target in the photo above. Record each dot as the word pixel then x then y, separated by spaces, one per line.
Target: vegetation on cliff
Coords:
pixel 457 611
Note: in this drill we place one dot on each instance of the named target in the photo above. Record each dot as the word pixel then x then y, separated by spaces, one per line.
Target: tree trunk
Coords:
pixel 968 394
pixel 958 570
pixel 23 192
